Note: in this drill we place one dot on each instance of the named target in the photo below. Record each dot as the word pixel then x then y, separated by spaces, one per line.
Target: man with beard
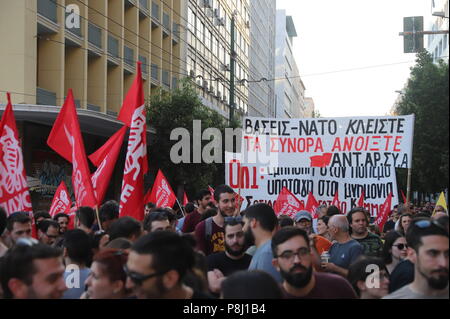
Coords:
pixel 234 258
pixel 209 233
pixel 428 250
pixel 192 219
pixel 157 265
pixel 260 222
pixel 292 257
pixel 358 218
pixel 32 270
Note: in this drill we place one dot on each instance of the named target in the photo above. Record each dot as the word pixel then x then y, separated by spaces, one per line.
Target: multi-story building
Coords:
pixel 208 51
pixel 438 43
pixel 290 90
pixel 92 47
pixel 309 107
pixel 262 58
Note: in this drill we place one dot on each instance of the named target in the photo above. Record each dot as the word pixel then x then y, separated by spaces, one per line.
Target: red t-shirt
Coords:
pixel 215 243
pixel 191 221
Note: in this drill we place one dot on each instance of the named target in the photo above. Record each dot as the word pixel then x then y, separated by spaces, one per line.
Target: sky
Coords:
pixel 339 35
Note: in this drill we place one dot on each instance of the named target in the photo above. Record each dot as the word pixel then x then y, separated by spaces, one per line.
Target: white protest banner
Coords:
pixel 263 184
pixel 329 142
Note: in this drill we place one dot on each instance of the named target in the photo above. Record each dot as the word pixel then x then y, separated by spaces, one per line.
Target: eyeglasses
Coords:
pixel 138 278
pixel 401 246
pixel 51 236
pixel 290 255
pixel 237 219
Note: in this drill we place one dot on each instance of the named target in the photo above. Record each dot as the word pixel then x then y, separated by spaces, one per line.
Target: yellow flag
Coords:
pixel 441 201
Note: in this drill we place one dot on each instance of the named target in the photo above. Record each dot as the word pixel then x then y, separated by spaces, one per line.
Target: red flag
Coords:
pixel 384 214
pixel 403 196
pixel 162 194
pixel 185 199
pixel 14 194
pixel 65 139
pixel 61 201
pixel 133 114
pixel 312 205
pixel 361 199
pixel 335 201
pixel 287 204
pixel 239 200
pixel 105 159
pixel 211 191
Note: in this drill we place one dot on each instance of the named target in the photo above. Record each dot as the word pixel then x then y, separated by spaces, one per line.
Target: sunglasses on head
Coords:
pixel 426 223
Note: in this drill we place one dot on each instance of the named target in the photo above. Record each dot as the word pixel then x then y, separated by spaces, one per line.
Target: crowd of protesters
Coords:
pixel 211 249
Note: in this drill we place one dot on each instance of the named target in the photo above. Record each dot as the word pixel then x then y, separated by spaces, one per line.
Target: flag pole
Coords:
pixel 184 214
pixel 98 218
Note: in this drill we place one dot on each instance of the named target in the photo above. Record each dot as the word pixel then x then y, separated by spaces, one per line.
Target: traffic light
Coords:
pixel 413 43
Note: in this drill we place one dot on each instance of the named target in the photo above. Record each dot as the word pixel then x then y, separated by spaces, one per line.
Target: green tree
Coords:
pixel 426 96
pixel 178 109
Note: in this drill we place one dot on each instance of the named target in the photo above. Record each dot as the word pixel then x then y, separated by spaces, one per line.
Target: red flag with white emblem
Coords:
pixel 384 213
pixel 65 139
pixel 61 201
pixel 105 159
pixel 312 205
pixel 361 200
pixel 14 194
pixel 287 204
pixel 162 194
pixel 133 115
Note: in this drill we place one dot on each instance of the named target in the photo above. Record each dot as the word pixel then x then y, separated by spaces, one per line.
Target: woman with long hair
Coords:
pixel 394 250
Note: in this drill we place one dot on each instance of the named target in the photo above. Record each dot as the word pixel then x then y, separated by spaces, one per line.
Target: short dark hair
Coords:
pixel 59 215
pixel 231 223
pixel 169 252
pixel 44 225
pixel 333 210
pixel 189 208
pixel 358 269
pixel 254 284
pixel 86 216
pixel 286 233
pixel 124 227
pixel 18 263
pixel 17 217
pixel 415 233
pixel 325 219
pixel 443 221
pixel 78 245
pixel 202 193
pixel 357 210
pixel 264 214
pixel 389 240
pixel 150 205
pixel 158 215
pixel 3 218
pixel 109 211
pixel 285 221
pixel 222 189
pixel 41 213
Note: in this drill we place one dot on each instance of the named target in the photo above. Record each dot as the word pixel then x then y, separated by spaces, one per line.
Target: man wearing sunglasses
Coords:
pixel 48 231
pixel 293 258
pixel 428 248
pixel 157 265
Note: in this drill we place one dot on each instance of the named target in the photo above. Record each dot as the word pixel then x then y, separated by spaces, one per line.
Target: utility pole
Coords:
pixel 232 66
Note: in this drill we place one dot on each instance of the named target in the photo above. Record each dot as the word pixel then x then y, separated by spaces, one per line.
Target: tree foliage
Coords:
pixel 426 96
pixel 178 109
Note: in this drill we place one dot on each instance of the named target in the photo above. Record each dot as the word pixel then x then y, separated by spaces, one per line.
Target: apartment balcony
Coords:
pixel 95 39
pixel 175 33
pixel 128 59
pixel 155 74
pixel 144 66
pixel 166 25
pixel 130 3
pixel 156 15
pixel 144 10
pixel 165 78
pixel 113 51
pixel 47 17
pixel 45 97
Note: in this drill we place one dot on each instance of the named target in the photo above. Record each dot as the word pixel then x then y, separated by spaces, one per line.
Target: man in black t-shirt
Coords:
pixel 234 258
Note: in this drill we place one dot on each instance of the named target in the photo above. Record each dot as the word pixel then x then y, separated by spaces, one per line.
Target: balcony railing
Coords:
pixel 155 72
pixel 166 21
pixel 144 4
pixel 113 46
pixel 165 78
pixel 129 55
pixel 47 9
pixel 143 60
pixel 155 11
pixel 95 35
pixel 44 97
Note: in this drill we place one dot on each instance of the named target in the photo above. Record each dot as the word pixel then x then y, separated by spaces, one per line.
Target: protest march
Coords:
pixel 308 209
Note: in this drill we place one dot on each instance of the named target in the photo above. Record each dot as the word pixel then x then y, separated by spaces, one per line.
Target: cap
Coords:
pixel 303 214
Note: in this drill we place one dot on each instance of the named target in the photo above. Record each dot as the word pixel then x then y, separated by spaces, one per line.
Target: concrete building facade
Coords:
pixel 438 43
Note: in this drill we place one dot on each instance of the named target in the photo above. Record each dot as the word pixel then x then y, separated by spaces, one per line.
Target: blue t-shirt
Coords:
pixel 343 255
pixel 262 260
pixel 76 283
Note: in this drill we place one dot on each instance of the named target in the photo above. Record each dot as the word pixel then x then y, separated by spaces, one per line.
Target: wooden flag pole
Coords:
pixel 181 207
pixel 98 218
